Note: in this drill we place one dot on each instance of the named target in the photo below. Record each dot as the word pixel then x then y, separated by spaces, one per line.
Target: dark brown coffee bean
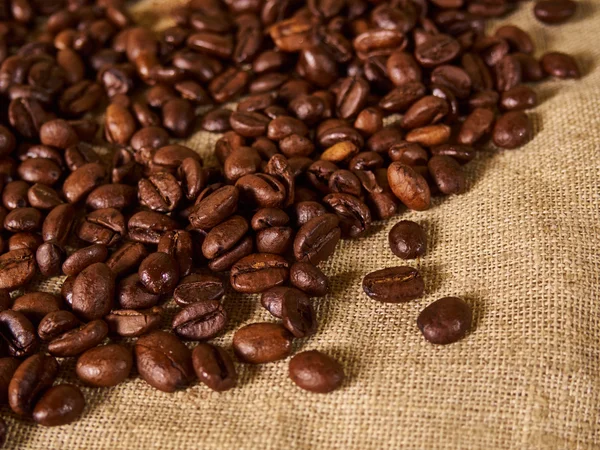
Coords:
pixel 554 11
pixel 355 217
pixel 58 223
pixel 316 372
pixel 14 194
pixel 261 191
pixel 229 84
pixel 512 130
pixel 17 268
pixel 518 39
pixel 49 258
pixel 297 314
pixel 249 124
pixel 491 49
pixel 83 181
pixel 179 245
pixel 445 321
pixel 426 111
pixel 18 333
pixel 384 139
pixel 401 97
pixel 461 153
pixel 260 343
pixel 26 115
pixel 159 273
pixel 79 155
pixel 369 121
pixel 408 153
pixel 430 135
pixel 516 99
pixel 133 323
pixel 84 257
pixel 178 117
pixel 409 186
pixel 119 124
pixel 30 381
pixel 148 226
pixel 153 137
pixel 224 236
pixel 215 208
pixel 160 192
pixel 103 226
pixel 276 240
pixel 508 73
pixel 214 367
pixel 352 96
pixel 131 294
pixel 78 340
pixel 272 299
pixel 407 240
pixel 258 272
pixel 560 65
pixel 476 125
pixel 23 219
pixel 56 323
pixel 8 366
pixel 436 50
pixel 269 217
pixel 200 320
pixel 447 174
pixel 163 361
pixel 35 305
pixel 104 366
pixel 241 161
pixel 66 291
pixel 59 405
pixel 217 120
pixel 394 284
pixel 402 68
pixel 126 258
pixel 285 126
pixel 7 141
pixel 198 288
pixel 309 278
pixel 118 196
pixel 43 197
pixel 58 133
pixel 93 292
pixel 316 239
pixel 40 170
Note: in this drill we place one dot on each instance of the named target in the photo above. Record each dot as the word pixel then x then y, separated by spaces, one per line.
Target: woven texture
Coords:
pixel 522 246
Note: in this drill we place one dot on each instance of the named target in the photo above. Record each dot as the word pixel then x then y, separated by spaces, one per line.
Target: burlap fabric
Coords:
pixel 522 246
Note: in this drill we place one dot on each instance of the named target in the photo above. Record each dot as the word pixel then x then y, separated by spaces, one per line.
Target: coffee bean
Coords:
pixel 18 333
pixel 17 268
pixel 35 305
pixel 308 210
pixel 126 258
pixel 58 133
pixel 447 174
pixel 58 223
pixel 316 372
pixel 118 196
pixel 59 405
pixel 160 192
pixel 216 121
pixel 554 11
pixel 131 294
pixel 43 197
pixel 163 361
pixel 105 366
pixel 394 284
pixel 83 181
pixel 93 292
pixel 272 299
pixel 170 157
pixel 426 111
pixel 224 236
pixel 518 98
pixel 436 50
pixel 23 219
pixel 297 314
pixel 30 381
pixel 14 194
pixel 269 217
pixel 200 320
pixel 159 273
pixel 198 288
pixel 260 343
pixel 258 272
pixel 215 208
pixel 214 367
pixel 316 239
pixel 148 226
pixel 407 240
pixel 518 39
pixel 78 340
pixel 84 257
pixel 56 323
pixel 355 217
pixel 309 278
pixel 409 186
pixel 400 98
pixel 445 321
pixel 133 323
pixel 49 258
pixel 560 65
pixel 227 260
pixel 513 129
pixel 8 366
pixel 40 170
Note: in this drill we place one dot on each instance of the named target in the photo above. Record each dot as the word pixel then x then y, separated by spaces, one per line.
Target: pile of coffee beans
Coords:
pixel 304 160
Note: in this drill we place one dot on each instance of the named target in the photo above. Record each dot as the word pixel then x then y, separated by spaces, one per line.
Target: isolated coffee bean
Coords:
pixel 394 284
pixel 78 340
pixel 316 240
pixel 93 292
pixel 35 305
pixel 163 361
pixel 513 129
pixel 134 323
pixel 407 240
pixel 409 186
pixel 198 288
pixel 316 372
pixel 260 343
pixel 104 366
pixel 59 405
pixel 554 11
pixel 17 268
pixel 56 323
pixel 258 272
pixel 560 65
pixel 30 381
pixel 159 273
pixel 18 333
pixel 445 321
pixel 214 367
pixel 200 320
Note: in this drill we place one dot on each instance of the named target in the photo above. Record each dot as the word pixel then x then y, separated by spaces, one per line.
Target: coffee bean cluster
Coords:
pixel 304 160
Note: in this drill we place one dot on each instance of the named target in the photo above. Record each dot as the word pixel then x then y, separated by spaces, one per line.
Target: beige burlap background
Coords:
pixel 522 246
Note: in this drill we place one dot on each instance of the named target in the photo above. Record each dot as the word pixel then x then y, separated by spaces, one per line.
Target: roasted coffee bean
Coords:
pixel 316 240
pixel 133 323
pixel 430 135
pixel 56 323
pixel 103 226
pixel 554 11
pixel 23 219
pixel 198 288
pixel 163 361
pixel 402 97
pixel 80 155
pixel 369 121
pixel 402 68
pixel 49 258
pixel 285 126
pixel 249 124
pixel 298 314
pixel 408 153
pixel 394 284
pixel 179 245
pixel 118 196
pixel 258 272
pixel 224 236
pixel 35 305
pixel 30 381
pixel 131 294
pixel 409 186
pixel 26 115
pixel 309 278
pixel 104 366
pixel 59 405
pixel 66 291
pixel 40 170
pixel 119 124
pixel 215 208
pixel 384 139
pixel 78 340
pixel 18 333
pixel 426 111
pixel 83 181
pixel 148 226
pixel 227 260
pixel 560 65
pixel 178 117
pixel 269 217
pixel 476 125
pixel 58 133
pixel 217 120
pixel 229 84
pixel 275 240
pixel 447 174
pixel 517 98
pixel 272 299
pixel 159 273
pixel 43 197
pixel 200 320
pixel 8 366
pixel 160 192
pixel 14 195
pixel 260 343
pixel 436 50
pixel 518 39
pixel 17 267
pixel 261 191
pixel 214 367
pixel 58 223
pixel 445 321
pixel 407 240
pixel 316 372
pixel 93 292
pixel 126 258
pixel 513 129
pixel 354 215
pixel 508 73
pixel 84 257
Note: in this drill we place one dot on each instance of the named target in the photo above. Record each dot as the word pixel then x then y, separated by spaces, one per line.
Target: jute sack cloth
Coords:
pixel 522 246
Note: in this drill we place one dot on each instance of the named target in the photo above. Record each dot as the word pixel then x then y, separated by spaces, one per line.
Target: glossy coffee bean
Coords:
pixel 407 240
pixel 260 343
pixel 93 292
pixel 200 320
pixel 214 367
pixel 8 366
pixel 297 314
pixel 134 323
pixel 447 174
pixel 56 323
pixel 309 279
pixel 163 361
pixel 147 227
pixel 159 273
pixel 78 340
pixel 59 405
pixel 409 186
pixel 258 272
pixel 316 372
pixel 554 11
pixel 215 208
pixel 126 258
pixel 316 239
pixel 83 258
pixel 104 366
pixel 445 321
pixel 394 284
pixel 513 129
pixel 560 65
pixel 17 333
pixel 31 379
pixel 35 305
